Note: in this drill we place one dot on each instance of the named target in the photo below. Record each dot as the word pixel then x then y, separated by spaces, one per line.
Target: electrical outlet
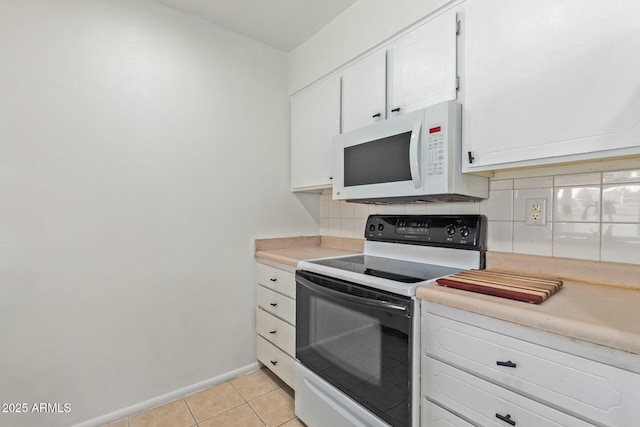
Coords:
pixel 536 212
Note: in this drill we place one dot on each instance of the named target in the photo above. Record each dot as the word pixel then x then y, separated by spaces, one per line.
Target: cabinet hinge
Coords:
pixel 458 26
pixel 457 82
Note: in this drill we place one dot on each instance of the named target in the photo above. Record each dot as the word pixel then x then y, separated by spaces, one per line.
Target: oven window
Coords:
pixel 379 161
pixel 363 350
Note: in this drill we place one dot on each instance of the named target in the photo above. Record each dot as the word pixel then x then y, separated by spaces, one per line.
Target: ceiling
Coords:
pixel 283 24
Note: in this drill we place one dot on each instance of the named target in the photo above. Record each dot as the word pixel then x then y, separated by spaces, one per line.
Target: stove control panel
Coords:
pixel 455 231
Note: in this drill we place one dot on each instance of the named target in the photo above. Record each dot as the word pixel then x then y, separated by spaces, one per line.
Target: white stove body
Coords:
pixel 318 403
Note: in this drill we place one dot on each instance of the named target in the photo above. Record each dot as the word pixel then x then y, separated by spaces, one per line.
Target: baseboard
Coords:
pixel 166 398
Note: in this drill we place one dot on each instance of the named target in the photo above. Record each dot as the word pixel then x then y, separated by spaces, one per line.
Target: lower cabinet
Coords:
pixel 495 373
pixel 435 416
pixel 279 362
pixel 275 319
pixel 485 403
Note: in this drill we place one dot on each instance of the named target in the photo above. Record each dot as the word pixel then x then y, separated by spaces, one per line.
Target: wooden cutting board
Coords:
pixel 505 285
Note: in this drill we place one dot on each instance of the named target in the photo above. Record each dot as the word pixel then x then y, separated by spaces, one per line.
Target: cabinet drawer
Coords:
pixel 487 404
pixel 275 359
pixel 278 304
pixel 580 386
pixel 435 416
pixel 277 331
pixel 276 279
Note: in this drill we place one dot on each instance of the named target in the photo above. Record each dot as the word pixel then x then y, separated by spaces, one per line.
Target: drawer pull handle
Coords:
pixel 272 332
pixel 506 418
pixel 508 364
pixel 395 110
pixel 377 115
pixel 273 304
pixel 275 362
pixel 274 279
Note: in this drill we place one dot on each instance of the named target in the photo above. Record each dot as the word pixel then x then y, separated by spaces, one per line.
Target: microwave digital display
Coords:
pixel 379 161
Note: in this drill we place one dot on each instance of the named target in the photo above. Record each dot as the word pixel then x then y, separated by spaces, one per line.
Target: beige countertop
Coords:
pixel 291 250
pixel 605 313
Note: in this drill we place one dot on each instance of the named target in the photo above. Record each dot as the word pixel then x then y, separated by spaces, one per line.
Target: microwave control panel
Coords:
pixel 436 149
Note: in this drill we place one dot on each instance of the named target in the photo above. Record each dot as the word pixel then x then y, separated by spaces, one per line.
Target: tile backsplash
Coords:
pixel 593 216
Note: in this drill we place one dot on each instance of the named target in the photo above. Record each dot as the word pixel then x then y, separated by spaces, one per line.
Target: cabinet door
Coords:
pixel 576 384
pixel 550 81
pixel 277 279
pixel 364 92
pixel 315 120
pixel 487 404
pixel 277 331
pixel 435 416
pixel 422 68
pixel 283 365
pixel 277 304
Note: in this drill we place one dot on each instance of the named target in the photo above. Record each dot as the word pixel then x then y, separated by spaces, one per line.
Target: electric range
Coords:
pixel 357 318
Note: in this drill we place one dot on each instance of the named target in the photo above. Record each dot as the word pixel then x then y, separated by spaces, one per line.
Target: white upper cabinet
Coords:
pixel 363 92
pixel 550 81
pixel 315 120
pixel 422 66
pixel 415 71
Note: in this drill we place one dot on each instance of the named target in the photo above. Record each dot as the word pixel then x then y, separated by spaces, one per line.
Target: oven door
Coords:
pixel 357 339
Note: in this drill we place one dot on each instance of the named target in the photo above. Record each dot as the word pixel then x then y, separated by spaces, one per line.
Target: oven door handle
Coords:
pixel 384 305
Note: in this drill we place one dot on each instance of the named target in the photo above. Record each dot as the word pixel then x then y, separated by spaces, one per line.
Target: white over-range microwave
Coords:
pixel 414 157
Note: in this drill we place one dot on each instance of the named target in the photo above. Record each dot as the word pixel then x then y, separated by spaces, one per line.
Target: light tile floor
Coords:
pixel 256 399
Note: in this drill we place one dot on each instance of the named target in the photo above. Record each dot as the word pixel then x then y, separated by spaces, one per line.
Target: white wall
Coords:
pixel 141 152
pixel 361 27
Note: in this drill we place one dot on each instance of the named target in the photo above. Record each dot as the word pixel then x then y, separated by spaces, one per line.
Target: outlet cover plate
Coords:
pixel 536 212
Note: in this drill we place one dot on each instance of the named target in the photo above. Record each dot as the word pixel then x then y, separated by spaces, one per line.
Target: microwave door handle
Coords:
pixel 330 293
pixel 414 155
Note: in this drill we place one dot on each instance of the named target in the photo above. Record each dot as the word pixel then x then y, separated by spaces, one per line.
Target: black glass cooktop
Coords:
pixel 388 268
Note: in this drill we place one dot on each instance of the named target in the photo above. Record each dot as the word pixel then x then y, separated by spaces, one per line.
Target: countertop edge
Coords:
pixel 290 250
pixel 500 309
pixel 293 262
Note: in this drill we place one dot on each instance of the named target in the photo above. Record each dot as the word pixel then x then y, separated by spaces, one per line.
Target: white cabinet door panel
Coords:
pixel 315 120
pixel 487 404
pixel 363 92
pixel 548 79
pixel 422 69
pixel 279 362
pixel 594 390
pixel 277 279
pixel 279 332
pixel 277 304
pixel 435 416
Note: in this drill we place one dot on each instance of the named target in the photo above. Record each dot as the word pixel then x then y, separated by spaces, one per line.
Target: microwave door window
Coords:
pixel 380 161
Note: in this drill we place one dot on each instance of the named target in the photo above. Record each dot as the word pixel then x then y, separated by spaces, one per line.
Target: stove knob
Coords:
pixel 450 229
pixel 372 227
pixel 464 231
pixel 380 227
